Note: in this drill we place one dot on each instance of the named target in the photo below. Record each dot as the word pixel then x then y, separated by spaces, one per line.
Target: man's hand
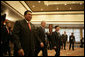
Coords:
pixel 21 52
pixel 41 44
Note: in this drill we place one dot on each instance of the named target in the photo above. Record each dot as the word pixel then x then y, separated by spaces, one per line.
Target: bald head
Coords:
pixel 64 32
pixel 43 23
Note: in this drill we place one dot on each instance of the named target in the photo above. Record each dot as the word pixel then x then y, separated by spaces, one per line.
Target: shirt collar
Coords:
pixel 27 21
pixel 57 31
pixel 42 27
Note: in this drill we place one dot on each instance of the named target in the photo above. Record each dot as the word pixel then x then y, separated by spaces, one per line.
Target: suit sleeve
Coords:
pixel 37 37
pixel 2 34
pixel 74 38
pixel 53 39
pixel 40 34
pixel 66 37
pixel 16 34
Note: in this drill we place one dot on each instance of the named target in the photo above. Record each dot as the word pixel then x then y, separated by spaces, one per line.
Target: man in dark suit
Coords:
pixel 72 40
pixel 49 35
pixel 41 34
pixel 1 44
pixel 64 37
pixel 57 40
pixel 24 34
pixel 5 38
pixel 82 42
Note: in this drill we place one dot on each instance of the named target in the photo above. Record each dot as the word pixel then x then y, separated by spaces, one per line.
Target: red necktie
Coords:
pixel 29 26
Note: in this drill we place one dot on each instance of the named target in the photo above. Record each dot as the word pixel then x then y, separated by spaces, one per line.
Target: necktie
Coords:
pixel 29 26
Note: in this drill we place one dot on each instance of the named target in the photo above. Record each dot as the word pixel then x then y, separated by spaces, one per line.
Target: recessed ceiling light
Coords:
pixel 47 4
pixel 70 8
pixel 33 6
pixel 57 8
pixel 80 3
pixel 41 9
pixel 73 2
pixel 39 1
pixel 65 4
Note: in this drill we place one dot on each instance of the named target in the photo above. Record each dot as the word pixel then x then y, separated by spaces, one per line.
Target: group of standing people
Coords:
pixel 64 38
pixel 6 34
pixel 29 40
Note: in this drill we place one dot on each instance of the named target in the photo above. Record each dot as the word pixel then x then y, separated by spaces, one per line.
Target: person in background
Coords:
pixel 6 37
pixel 56 40
pixel 82 42
pixel 72 41
pixel 64 37
pixel 42 35
pixel 61 42
pixel 2 25
pixel 49 35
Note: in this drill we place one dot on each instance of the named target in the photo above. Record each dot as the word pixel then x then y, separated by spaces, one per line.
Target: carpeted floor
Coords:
pixel 77 51
pixel 67 52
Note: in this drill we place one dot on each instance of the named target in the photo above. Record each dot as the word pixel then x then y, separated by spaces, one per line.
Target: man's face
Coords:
pixel 64 32
pixel 72 34
pixel 58 28
pixel 43 24
pixel 28 16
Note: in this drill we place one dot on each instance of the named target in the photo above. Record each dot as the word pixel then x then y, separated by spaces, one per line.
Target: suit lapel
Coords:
pixel 32 26
pixel 25 25
pixel 42 29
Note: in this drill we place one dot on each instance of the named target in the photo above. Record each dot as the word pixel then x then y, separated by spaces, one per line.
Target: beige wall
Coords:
pixel 61 19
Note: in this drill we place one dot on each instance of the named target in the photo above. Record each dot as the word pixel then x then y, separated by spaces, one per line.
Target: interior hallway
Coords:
pixel 69 15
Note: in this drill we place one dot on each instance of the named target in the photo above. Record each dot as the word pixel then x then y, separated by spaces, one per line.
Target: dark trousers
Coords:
pixel 64 45
pixel 50 45
pixel 82 45
pixel 71 45
pixel 15 52
pixel 5 48
pixel 44 51
pixel 57 52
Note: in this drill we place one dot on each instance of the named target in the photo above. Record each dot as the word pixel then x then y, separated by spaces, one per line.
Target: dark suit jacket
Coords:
pixel 56 39
pixel 72 40
pixel 24 38
pixel 41 33
pixel 49 37
pixel 5 38
pixel 64 38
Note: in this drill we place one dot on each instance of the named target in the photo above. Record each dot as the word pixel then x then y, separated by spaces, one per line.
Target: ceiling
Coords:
pixel 10 13
pixel 51 6
pixel 45 6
